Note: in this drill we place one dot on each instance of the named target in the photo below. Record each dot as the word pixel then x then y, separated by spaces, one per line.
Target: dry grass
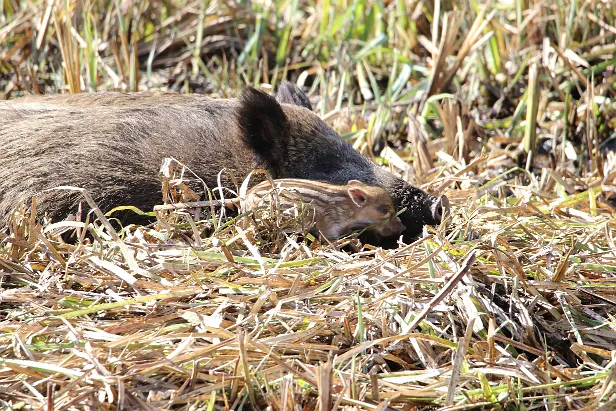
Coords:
pixel 524 310
pixel 509 304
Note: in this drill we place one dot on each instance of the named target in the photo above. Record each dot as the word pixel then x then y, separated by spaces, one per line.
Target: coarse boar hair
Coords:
pixel 112 144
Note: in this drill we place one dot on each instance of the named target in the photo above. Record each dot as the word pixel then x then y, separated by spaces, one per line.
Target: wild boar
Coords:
pixel 112 145
pixel 336 210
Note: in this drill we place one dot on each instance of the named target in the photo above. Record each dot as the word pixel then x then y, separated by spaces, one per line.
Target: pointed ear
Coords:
pixel 290 93
pixel 264 126
pixel 358 196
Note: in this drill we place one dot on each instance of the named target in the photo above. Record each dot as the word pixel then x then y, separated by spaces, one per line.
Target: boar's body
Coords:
pixel 112 145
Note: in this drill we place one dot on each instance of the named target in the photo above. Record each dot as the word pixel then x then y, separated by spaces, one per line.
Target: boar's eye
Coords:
pixel 383 209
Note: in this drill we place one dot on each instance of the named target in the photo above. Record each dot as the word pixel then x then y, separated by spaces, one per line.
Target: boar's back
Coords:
pixel 112 145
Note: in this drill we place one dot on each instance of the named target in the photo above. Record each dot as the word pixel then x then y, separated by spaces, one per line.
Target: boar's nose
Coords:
pixel 440 209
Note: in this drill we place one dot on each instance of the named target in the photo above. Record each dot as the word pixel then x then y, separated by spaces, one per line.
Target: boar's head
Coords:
pixel 293 142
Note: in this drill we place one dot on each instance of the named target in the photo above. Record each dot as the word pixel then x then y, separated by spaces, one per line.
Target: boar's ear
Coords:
pixel 264 126
pixel 358 196
pixel 290 93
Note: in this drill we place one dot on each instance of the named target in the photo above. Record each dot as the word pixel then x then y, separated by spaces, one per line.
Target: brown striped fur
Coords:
pixel 336 209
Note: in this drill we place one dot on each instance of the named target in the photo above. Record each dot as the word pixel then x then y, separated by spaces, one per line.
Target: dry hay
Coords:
pixel 514 298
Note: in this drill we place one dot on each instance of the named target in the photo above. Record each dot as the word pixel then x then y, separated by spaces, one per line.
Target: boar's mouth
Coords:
pixel 421 209
pixel 440 210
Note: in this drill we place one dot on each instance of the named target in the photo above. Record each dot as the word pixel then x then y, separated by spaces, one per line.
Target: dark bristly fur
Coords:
pixel 289 93
pixel 112 144
pixel 264 124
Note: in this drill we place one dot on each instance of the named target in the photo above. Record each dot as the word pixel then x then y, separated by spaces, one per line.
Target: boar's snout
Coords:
pixel 440 209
